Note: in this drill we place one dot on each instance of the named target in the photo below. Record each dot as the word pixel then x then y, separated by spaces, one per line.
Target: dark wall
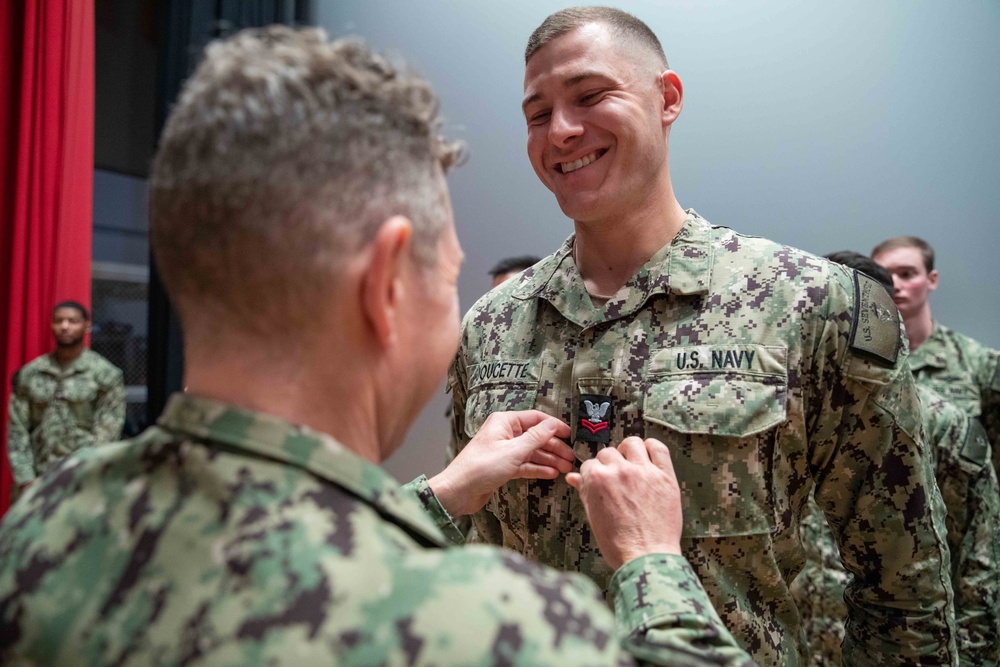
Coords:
pixel 189 26
pixel 129 35
pixel 145 49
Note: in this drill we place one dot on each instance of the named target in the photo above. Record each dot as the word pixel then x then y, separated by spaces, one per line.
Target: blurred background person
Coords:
pixel 509 267
pixel 968 485
pixel 962 370
pixel 62 401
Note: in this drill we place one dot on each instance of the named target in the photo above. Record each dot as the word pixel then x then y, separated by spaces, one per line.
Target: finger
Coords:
pixel 634 450
pixel 500 426
pixel 659 454
pixel 559 448
pixel 539 435
pixel 544 458
pixel 536 471
pixel 575 480
pixel 609 455
pixel 531 418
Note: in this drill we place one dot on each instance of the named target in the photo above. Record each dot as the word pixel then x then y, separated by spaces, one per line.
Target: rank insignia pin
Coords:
pixel 594 419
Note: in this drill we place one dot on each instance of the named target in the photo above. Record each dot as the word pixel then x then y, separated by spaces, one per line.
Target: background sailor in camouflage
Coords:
pixel 971 494
pixel 767 371
pixel 962 370
pixel 64 400
pixel 252 526
pixel 508 267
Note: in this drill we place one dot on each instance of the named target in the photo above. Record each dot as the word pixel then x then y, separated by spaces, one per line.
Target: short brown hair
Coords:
pixel 623 25
pixel 926 251
pixel 284 154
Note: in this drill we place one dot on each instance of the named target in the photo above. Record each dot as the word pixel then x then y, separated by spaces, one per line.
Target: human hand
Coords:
pixel 510 445
pixel 632 499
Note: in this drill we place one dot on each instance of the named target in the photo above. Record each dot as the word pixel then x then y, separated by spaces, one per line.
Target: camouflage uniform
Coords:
pixel 749 361
pixel 55 411
pixel 227 537
pixel 971 494
pixel 965 372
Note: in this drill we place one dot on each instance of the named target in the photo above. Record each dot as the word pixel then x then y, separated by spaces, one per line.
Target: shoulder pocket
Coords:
pixel 720 425
pixel 976 448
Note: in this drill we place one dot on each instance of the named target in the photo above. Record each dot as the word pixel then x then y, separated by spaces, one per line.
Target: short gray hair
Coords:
pixel 283 155
pixel 624 26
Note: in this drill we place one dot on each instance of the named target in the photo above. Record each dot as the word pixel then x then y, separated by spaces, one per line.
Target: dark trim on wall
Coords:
pixel 190 26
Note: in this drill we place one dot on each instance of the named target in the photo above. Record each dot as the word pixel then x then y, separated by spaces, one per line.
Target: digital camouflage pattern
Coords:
pixel 55 411
pixel 735 352
pixel 965 372
pixel 971 494
pixel 227 537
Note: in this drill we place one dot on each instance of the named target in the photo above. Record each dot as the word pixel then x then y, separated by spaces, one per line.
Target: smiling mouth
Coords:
pixel 567 167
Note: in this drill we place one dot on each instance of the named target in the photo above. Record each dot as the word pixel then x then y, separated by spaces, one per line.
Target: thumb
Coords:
pixel 574 479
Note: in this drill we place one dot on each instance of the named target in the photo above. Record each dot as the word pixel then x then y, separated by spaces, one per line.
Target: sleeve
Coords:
pixel 19 453
pixel 482 526
pixel 975 548
pixel 109 414
pixel 818 590
pixel 661 610
pixel 990 403
pixel 874 481
pixel 464 523
pixel 526 614
pixel 434 509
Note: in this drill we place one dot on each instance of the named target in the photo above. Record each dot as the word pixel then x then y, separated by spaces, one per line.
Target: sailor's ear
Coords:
pixel 383 288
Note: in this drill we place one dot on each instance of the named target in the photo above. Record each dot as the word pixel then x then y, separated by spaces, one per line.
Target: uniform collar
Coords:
pixel 51 364
pixel 932 352
pixel 300 446
pixel 683 266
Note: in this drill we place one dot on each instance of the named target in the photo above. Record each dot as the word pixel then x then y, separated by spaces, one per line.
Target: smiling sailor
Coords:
pixel 768 372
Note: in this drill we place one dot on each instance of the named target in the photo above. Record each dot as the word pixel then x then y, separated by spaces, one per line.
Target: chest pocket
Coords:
pixel 719 419
pixel 486 399
pixel 80 394
pixel 40 391
pixel 959 390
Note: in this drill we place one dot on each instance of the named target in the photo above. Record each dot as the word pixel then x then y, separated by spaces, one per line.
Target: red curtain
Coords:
pixel 46 176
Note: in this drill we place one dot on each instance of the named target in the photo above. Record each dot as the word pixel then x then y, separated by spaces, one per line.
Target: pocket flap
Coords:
pixel 725 404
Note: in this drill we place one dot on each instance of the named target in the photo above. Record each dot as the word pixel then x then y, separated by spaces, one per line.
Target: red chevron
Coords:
pixel 592 427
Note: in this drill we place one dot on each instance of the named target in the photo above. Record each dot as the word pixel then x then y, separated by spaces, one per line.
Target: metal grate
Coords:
pixel 120 304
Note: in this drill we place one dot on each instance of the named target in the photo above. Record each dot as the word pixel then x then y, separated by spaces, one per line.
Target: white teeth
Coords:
pixel 576 164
